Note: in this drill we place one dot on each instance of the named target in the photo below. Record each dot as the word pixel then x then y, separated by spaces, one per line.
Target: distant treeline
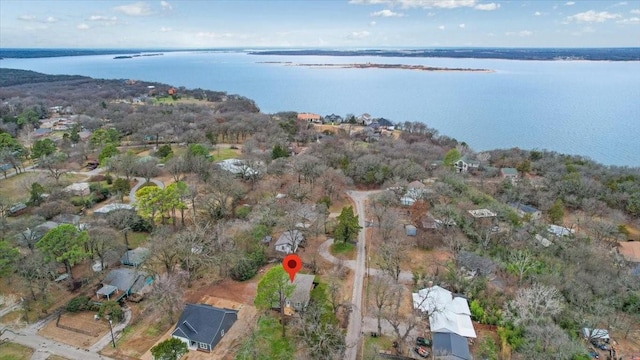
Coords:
pixel 599 54
pixel 9 77
pixel 40 53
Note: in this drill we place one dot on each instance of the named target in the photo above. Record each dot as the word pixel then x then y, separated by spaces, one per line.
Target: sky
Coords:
pixel 190 24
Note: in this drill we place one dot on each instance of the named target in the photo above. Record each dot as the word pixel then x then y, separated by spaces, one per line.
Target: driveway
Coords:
pixel 141 181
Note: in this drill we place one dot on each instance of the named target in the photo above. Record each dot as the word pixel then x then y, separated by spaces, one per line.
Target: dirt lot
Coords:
pixel 83 321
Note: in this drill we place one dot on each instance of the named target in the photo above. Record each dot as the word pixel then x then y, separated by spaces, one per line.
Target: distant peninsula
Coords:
pixel 381 66
pixel 548 54
pixel 135 56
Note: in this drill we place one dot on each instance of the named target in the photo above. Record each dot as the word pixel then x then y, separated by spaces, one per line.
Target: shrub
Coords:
pixel 77 304
pixel 113 310
pixel 243 211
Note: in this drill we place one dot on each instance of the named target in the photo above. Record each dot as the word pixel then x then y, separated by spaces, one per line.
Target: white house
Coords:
pixel 289 241
pixel 465 164
pixel 448 313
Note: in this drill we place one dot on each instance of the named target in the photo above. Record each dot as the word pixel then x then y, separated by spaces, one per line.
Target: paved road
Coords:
pixel 141 181
pixel 406 277
pixel 354 330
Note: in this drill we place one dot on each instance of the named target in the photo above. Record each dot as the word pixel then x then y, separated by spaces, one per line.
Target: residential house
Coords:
pixel 37 232
pixel 450 346
pixel 309 117
pixel 364 119
pixel 135 257
pixel 482 217
pixel 465 164
pixel 385 123
pixel 202 326
pixel 601 334
pixel 560 230
pixel 333 119
pixel 410 230
pixel 509 173
pixel 448 312
pixel 78 189
pixel 542 240
pixel 301 295
pixel 526 210
pixel 289 241
pixel 238 167
pixel 105 210
pixel 123 282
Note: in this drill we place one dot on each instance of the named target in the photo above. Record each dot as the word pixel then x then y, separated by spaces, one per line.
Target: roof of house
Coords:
pixel 524 208
pixel 559 230
pixel 595 333
pixel 126 279
pixel 303 284
pixel 449 346
pixel 467 160
pixel 472 261
pixel 113 207
pixel 287 237
pixel 509 171
pixel 135 257
pixel 202 322
pixel 630 250
pixel 482 213
pixel 107 290
pixel 447 312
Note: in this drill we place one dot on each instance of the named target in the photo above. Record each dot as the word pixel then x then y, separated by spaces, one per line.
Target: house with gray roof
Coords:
pixel 301 295
pixel 526 210
pixel 202 326
pixel 289 241
pixel 450 346
pixel 123 282
pixel 135 257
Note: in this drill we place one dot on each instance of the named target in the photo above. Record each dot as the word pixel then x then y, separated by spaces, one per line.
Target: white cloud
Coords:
pixel 441 27
pixel 592 16
pixel 135 9
pixel 461 26
pixel 373 23
pixel 424 4
pixel 523 33
pixel 82 26
pixel 570 3
pixel 51 19
pixel 386 13
pixel 101 18
pixel 165 5
pixel 359 35
pixel 537 13
pixel 632 20
pixel 635 11
pixel 27 18
pixel 166 29
pixel 487 7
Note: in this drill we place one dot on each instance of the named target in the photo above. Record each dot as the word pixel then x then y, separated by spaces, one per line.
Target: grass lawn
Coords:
pixel 137 239
pixel 220 154
pixel 13 351
pixel 372 345
pixel 269 340
pixel 347 250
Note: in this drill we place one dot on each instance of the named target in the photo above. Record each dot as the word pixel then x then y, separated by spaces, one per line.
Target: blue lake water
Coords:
pixel 574 107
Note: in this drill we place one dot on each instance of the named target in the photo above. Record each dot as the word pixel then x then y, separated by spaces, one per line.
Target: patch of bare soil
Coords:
pixel 80 329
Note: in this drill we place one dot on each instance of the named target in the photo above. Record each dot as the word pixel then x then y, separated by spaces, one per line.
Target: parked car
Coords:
pixel 420 341
pixel 594 355
pixel 422 351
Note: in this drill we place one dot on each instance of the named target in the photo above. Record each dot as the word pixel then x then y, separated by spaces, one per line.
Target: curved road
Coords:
pixel 141 181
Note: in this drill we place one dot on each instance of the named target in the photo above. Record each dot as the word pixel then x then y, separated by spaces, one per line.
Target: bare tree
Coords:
pixel 535 304
pixel 101 241
pixel 522 261
pixel 381 290
pixel 163 249
pixel 166 295
pixel 401 321
pixel 380 204
pixel 391 255
pixel 322 339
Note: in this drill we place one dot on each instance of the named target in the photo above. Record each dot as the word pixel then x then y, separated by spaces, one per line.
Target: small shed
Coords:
pixel 78 189
pixel 410 230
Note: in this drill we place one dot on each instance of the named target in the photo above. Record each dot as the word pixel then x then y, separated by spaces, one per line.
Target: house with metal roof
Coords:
pixel 509 173
pixel 202 326
pixel 526 210
pixel 448 312
pixel 135 257
pixel 450 346
pixel 289 241
pixel 123 282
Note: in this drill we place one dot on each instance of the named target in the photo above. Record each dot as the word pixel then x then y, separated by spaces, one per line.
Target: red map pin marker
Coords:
pixel 292 264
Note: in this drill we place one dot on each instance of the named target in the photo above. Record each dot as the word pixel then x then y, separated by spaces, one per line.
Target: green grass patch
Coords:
pixel 220 154
pixel 372 345
pixel 153 330
pixel 345 249
pixel 267 343
pixel 137 239
pixel 13 351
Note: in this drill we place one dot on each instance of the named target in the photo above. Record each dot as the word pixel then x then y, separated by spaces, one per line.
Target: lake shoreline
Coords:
pixel 381 66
